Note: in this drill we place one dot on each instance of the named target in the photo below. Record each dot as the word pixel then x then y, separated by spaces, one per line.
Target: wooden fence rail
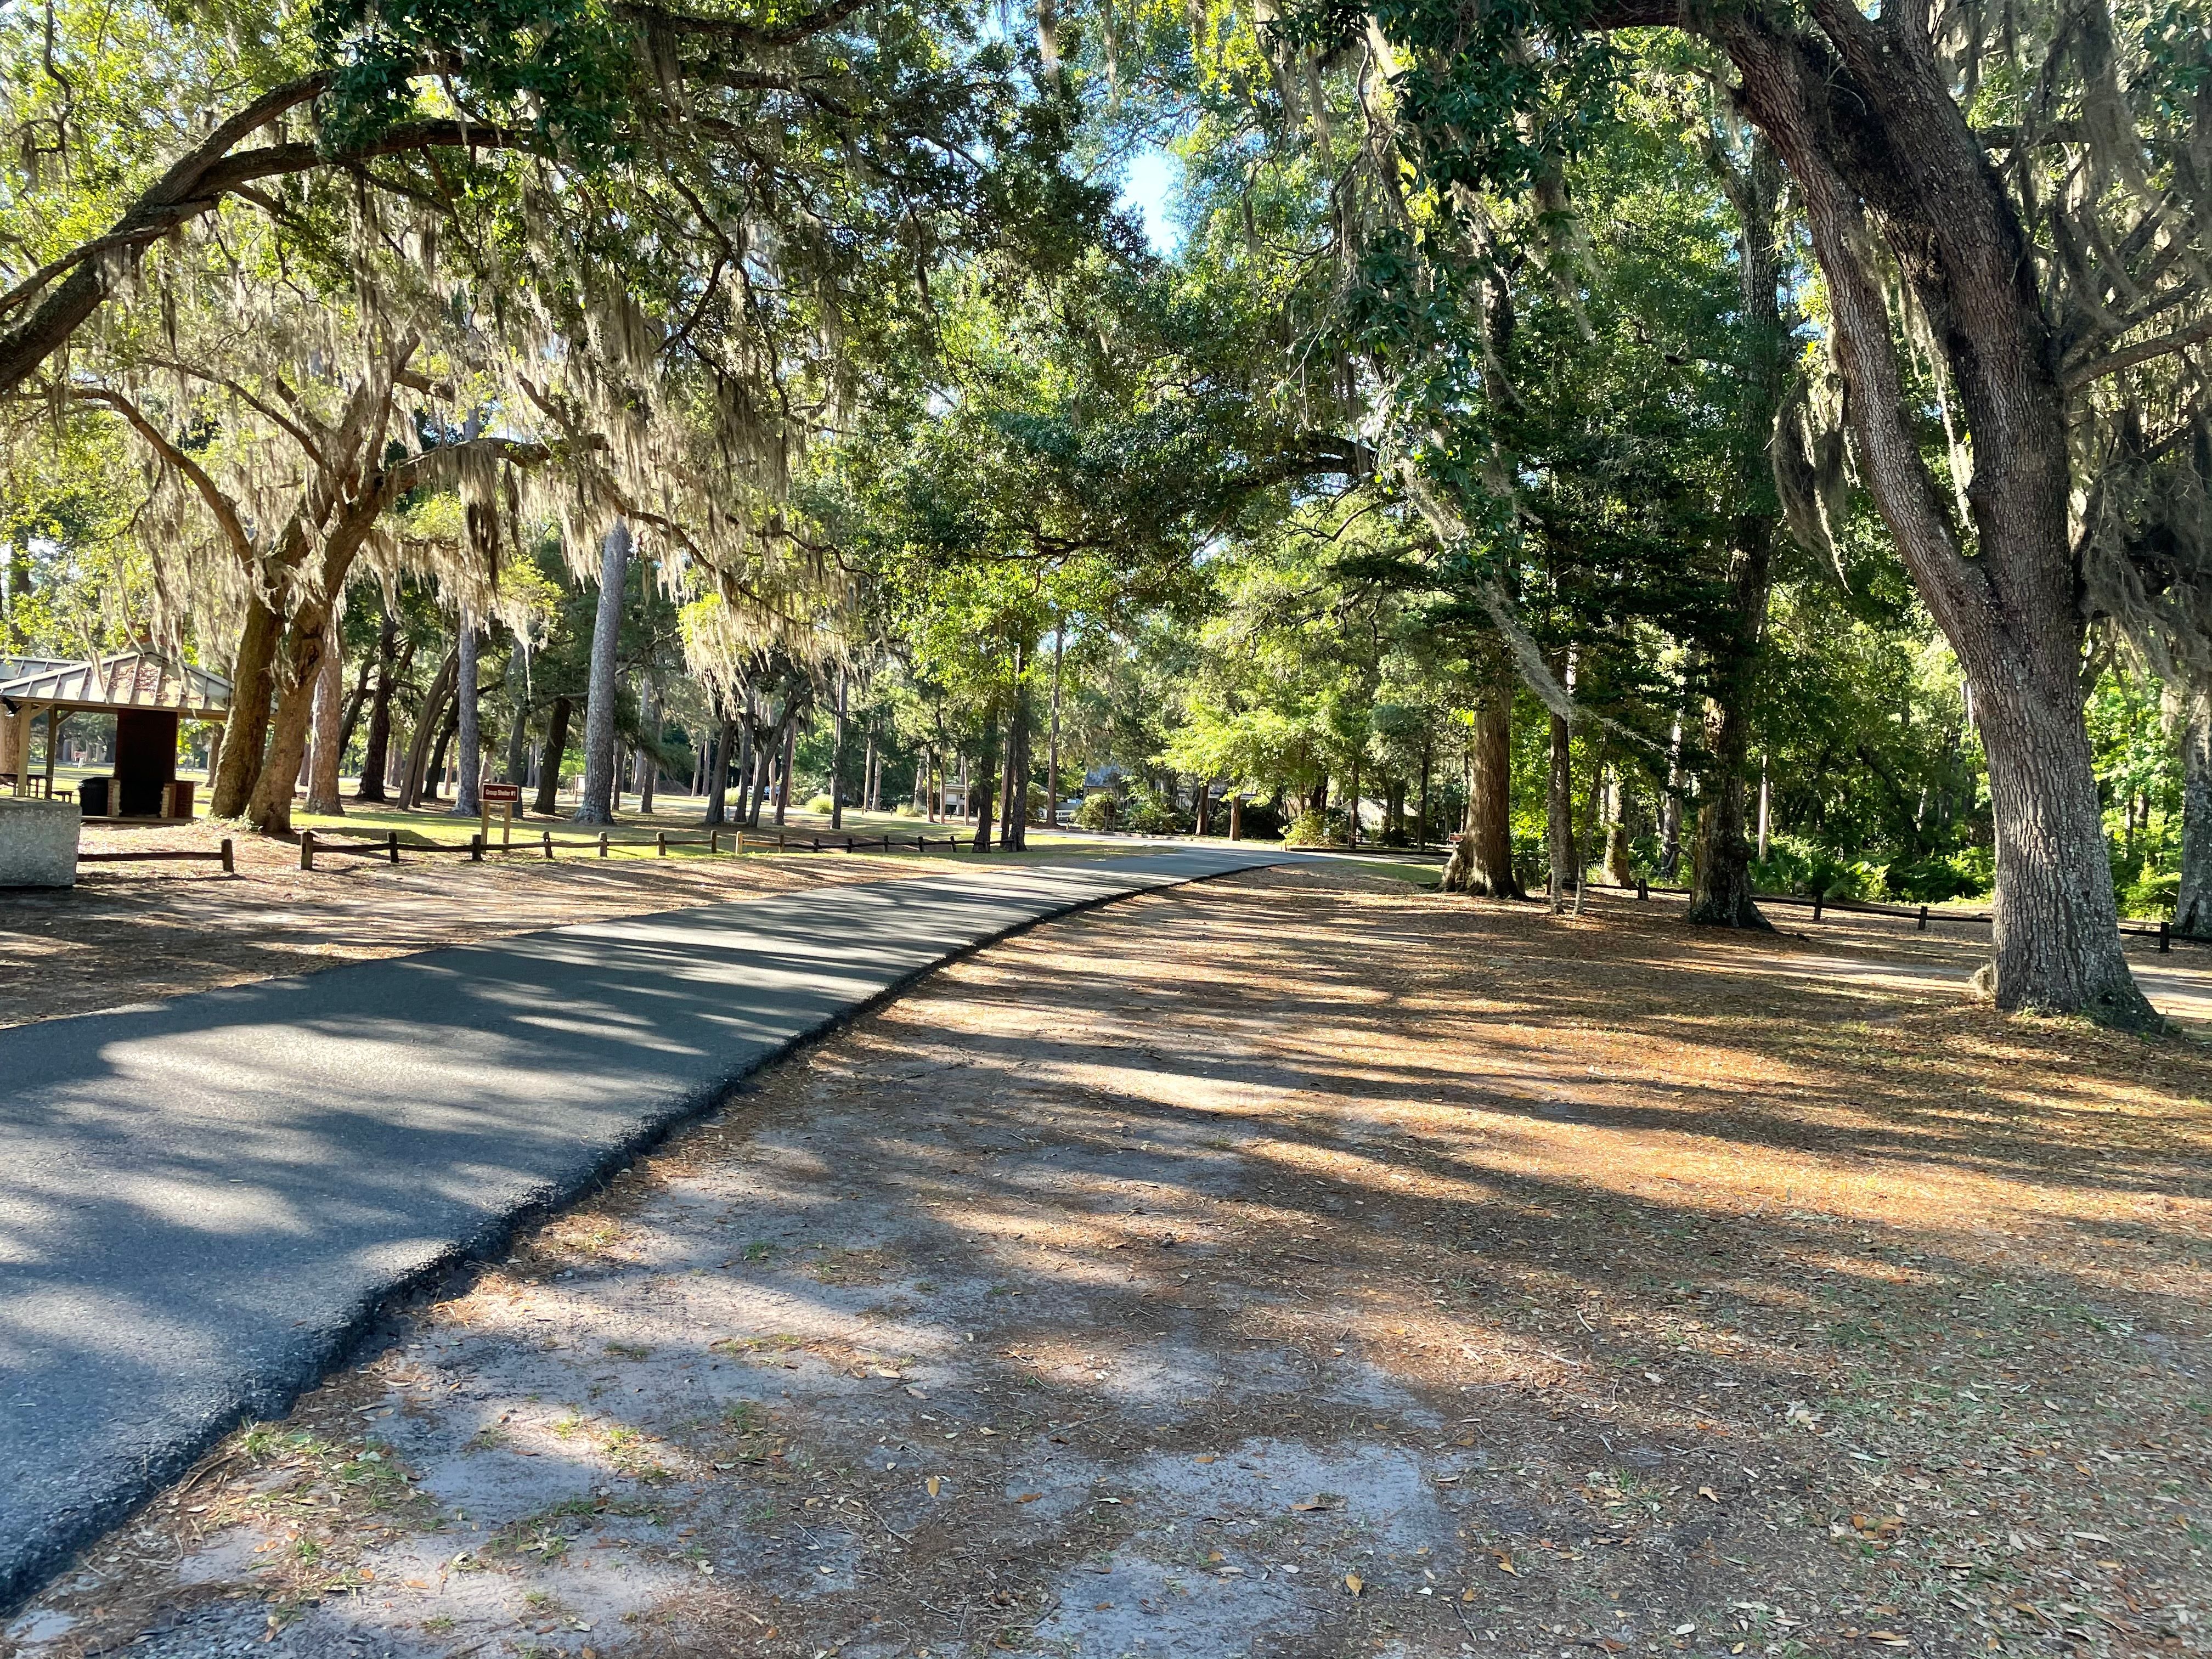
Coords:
pixel 228 857
pixel 1820 904
pixel 389 845
pixel 388 848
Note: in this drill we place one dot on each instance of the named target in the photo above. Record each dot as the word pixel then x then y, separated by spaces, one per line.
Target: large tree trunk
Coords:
pixel 356 701
pixel 1014 801
pixel 1559 813
pixel 595 801
pixel 838 758
pixel 983 791
pixel 648 759
pixel 269 809
pixel 1721 893
pixel 517 769
pixel 1874 125
pixel 1017 777
pixel 246 734
pixel 1428 764
pixel 330 735
pixel 433 776
pixel 1482 861
pixel 2192 909
pixel 376 752
pixel 747 742
pixel 427 723
pixel 467 803
pixel 1670 808
pixel 783 778
pixel 549 764
pixel 1052 746
pixel 717 779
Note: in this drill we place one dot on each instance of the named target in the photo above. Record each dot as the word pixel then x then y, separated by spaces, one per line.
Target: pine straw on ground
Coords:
pixel 1294 1265
pixel 133 932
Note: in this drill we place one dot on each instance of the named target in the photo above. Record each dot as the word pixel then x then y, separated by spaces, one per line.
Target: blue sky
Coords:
pixel 1148 185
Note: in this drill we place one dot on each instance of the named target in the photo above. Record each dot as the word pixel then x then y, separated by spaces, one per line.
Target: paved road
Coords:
pixel 206 1199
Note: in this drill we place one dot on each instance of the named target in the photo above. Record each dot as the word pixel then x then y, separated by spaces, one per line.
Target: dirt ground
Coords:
pixel 1298 1266
pixel 130 933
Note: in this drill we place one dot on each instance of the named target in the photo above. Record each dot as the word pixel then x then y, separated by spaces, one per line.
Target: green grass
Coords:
pixel 1423 876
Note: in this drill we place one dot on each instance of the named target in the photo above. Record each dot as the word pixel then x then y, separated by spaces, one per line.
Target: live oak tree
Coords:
pixel 2016 194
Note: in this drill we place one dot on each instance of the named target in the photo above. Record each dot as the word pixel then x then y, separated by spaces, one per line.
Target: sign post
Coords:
pixel 506 794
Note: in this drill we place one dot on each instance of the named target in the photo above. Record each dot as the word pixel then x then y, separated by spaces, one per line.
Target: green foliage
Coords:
pixel 1328 827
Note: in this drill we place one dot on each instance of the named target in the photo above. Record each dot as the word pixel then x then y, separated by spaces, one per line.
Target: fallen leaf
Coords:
pixel 932 1483
pixel 1208 1458
pixel 1354 1583
pixel 1028 1498
pixel 1707 1492
pixel 1505 1564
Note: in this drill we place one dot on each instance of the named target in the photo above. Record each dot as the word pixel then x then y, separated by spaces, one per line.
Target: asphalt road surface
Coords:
pixel 207 1200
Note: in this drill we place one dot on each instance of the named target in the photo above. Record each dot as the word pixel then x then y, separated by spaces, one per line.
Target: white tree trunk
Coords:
pixel 469 766
pixel 330 700
pixel 595 800
pixel 2192 909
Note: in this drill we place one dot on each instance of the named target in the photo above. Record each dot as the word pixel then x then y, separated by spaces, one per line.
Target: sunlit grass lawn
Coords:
pixel 635 835
pixel 1423 876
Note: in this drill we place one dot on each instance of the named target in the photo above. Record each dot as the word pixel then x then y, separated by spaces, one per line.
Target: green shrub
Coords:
pixel 1100 810
pixel 2152 896
pixel 1795 866
pixel 1939 879
pixel 1145 812
pixel 819 804
pixel 1327 828
pixel 906 809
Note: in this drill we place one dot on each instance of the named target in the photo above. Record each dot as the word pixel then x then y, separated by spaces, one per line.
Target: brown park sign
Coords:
pixel 506 797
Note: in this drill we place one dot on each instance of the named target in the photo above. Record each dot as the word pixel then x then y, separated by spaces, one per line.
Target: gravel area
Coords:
pixel 1294 1265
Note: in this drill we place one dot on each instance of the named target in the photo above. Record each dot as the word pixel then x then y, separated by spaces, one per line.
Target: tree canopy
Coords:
pixel 1753 450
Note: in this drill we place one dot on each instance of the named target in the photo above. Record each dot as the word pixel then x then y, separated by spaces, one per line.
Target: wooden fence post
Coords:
pixel 230 857
pixel 661 843
pixel 603 843
pixel 1922 927
pixel 2164 931
pixel 476 848
pixel 1817 897
pixel 548 834
pixel 306 849
pixel 1643 891
pixel 392 844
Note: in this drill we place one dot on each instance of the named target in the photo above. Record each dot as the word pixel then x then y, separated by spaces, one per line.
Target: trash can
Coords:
pixel 93 796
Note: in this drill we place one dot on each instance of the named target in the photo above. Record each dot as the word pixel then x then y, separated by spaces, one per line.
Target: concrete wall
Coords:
pixel 38 842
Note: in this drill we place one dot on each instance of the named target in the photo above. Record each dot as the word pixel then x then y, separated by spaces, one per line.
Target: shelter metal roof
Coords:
pixel 127 679
pixel 13 668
